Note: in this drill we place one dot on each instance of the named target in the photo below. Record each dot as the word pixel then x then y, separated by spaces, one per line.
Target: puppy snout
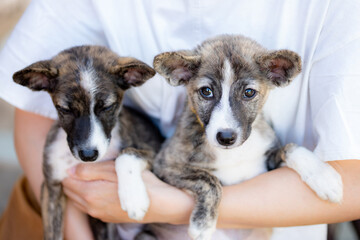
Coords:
pixel 226 137
pixel 88 155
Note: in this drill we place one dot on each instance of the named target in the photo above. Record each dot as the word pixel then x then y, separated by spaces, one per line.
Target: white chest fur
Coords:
pixel 244 162
pixel 60 158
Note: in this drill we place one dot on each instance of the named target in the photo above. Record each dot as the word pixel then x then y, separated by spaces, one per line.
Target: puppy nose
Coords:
pixel 226 137
pixel 88 155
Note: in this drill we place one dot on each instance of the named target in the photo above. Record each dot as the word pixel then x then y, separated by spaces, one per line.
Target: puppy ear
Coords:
pixel 132 72
pixel 38 76
pixel 177 67
pixel 280 66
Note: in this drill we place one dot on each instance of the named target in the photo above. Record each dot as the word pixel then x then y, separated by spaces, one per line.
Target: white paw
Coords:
pixel 327 184
pixel 131 188
pixel 318 175
pixel 202 233
pixel 135 203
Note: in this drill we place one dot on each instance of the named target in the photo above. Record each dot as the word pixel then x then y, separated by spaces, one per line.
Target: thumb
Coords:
pixel 94 171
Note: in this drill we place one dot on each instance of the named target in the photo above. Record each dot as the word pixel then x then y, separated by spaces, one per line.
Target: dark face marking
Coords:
pixel 203 106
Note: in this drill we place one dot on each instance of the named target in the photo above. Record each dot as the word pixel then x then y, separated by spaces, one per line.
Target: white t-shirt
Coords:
pixel 319 110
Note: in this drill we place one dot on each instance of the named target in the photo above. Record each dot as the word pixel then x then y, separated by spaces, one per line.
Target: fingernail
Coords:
pixel 71 171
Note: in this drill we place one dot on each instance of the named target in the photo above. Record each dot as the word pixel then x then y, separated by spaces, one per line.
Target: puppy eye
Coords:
pixel 249 93
pixel 206 92
pixel 108 108
pixel 63 110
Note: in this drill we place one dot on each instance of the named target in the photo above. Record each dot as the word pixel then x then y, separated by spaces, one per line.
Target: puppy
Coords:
pixel 87 85
pixel 222 137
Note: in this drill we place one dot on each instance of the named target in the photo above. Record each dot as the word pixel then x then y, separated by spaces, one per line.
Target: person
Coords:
pixel 319 110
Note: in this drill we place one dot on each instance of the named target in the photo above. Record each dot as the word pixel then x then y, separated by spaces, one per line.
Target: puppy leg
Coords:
pixel 131 188
pixel 318 175
pixel 275 158
pixel 102 230
pixel 112 233
pixel 52 209
pixel 207 191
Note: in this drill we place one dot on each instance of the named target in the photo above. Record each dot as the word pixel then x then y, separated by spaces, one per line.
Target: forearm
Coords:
pixel 30 136
pixel 276 198
pixel 280 198
pixel 76 224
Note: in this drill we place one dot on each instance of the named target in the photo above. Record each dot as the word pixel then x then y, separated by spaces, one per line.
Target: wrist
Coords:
pixel 167 203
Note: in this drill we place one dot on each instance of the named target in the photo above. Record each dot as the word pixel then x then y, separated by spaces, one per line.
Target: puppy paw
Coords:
pixel 201 232
pixel 131 188
pixel 134 202
pixel 327 184
pixel 321 177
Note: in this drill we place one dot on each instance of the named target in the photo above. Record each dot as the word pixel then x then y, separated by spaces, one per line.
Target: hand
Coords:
pixel 93 189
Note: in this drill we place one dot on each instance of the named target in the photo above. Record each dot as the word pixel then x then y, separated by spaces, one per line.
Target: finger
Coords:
pixel 76 198
pixel 93 197
pixel 94 171
pixel 83 193
pixel 76 186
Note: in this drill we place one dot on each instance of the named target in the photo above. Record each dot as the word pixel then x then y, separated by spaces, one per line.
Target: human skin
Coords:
pixel 274 199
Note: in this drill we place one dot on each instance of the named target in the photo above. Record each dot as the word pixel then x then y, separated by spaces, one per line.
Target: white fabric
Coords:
pixel 320 109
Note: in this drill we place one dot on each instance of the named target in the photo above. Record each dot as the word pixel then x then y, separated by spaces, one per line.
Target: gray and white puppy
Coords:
pixel 87 85
pixel 222 137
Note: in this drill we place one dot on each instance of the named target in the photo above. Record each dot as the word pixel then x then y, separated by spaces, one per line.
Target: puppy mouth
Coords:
pixel 235 145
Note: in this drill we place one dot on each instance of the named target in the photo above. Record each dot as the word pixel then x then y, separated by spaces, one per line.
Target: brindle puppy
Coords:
pixel 87 85
pixel 222 137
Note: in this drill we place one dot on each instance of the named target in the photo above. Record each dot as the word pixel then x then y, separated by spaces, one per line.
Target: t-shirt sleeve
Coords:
pixel 334 84
pixel 46 28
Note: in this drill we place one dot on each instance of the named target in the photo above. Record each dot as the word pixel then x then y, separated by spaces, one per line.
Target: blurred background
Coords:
pixel 10 13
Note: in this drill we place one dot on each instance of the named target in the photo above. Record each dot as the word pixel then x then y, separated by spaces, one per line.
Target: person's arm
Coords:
pixel 30 136
pixel 275 199
pixel 279 199
pixel 30 132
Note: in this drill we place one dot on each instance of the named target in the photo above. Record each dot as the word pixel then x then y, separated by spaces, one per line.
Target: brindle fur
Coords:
pixel 186 160
pixel 138 135
pixel 52 204
pixel 61 77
